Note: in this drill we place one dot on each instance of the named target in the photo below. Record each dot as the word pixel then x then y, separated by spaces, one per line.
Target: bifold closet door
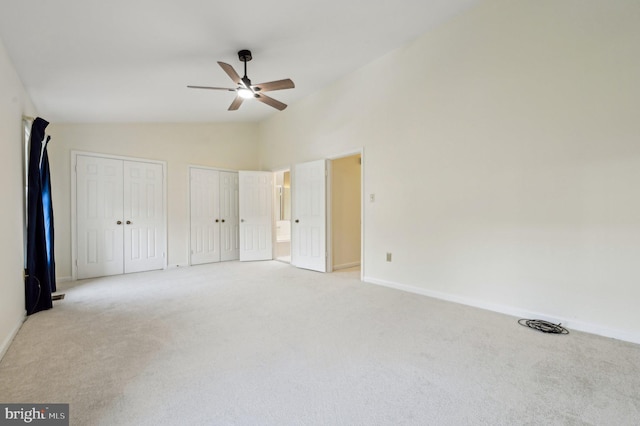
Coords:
pixel 214 215
pixel 120 225
pixel 205 216
pixel 99 207
pixel 229 216
pixel 256 212
pixel 143 217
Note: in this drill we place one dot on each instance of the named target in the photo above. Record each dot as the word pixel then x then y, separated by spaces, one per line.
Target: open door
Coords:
pixel 308 230
pixel 256 210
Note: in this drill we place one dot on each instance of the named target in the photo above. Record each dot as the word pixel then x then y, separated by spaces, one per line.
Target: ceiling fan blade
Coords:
pixel 236 103
pixel 270 101
pixel 212 88
pixel 231 73
pixel 274 85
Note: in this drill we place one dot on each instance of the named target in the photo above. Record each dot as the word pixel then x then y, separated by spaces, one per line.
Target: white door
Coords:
pixel 256 200
pixel 205 216
pixel 99 204
pixel 143 217
pixel 120 225
pixel 229 216
pixel 308 228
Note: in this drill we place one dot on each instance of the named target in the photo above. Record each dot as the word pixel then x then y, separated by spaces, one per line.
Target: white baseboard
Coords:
pixel 346 265
pixel 513 311
pixel 63 279
pixel 11 336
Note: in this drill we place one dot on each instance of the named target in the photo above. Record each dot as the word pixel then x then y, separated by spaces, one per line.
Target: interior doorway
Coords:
pixel 318 214
pixel 282 214
pixel 345 212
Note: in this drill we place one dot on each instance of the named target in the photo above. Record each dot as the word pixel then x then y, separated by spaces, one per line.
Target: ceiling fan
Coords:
pixel 246 90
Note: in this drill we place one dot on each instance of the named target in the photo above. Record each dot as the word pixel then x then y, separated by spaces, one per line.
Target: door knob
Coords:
pixel 217 220
pixel 241 220
pixel 119 222
pixel 222 220
pixel 128 222
pixel 297 221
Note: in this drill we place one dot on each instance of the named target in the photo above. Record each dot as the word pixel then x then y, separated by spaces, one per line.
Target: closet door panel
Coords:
pixel 230 219
pixel 205 216
pixel 99 219
pixel 256 215
pixel 143 217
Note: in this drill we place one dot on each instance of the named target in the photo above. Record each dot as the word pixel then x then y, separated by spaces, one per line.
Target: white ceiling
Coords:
pixel 130 60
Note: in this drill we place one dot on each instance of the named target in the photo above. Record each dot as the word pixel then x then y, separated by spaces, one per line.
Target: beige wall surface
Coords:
pixel 224 146
pixel 503 151
pixel 345 211
pixel 14 102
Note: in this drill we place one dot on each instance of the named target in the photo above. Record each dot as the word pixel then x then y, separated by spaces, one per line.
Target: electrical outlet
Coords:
pixel 388 257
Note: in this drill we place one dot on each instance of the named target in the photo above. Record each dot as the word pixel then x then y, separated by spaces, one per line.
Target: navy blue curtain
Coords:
pixel 40 281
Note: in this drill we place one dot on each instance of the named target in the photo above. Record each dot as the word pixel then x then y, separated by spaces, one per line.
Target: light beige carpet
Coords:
pixel 264 343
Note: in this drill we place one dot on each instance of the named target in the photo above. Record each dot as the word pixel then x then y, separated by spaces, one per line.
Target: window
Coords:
pixel 26 124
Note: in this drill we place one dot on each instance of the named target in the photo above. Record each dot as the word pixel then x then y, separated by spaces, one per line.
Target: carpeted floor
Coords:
pixel 264 343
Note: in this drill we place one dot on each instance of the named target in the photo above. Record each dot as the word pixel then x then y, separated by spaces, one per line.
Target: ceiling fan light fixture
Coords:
pixel 245 93
pixel 245 90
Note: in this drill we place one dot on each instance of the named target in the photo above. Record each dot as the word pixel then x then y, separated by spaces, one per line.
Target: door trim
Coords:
pixel 74 233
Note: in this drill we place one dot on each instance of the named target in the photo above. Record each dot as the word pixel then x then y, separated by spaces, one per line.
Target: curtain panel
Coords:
pixel 40 281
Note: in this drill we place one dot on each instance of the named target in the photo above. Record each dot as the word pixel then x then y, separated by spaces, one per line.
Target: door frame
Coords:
pixel 329 227
pixel 74 220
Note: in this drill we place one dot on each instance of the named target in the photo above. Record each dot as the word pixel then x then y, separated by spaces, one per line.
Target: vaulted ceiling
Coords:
pixel 131 60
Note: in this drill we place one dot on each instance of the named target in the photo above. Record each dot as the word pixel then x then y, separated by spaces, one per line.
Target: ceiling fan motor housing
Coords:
pixel 245 55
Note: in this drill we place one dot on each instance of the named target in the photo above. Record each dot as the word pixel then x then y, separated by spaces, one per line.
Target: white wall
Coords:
pixel 504 152
pixel 225 146
pixel 13 103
